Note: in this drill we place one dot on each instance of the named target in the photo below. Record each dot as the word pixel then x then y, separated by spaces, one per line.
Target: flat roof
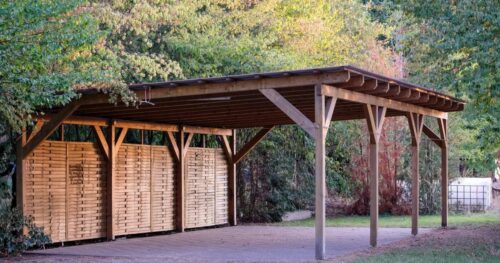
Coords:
pixel 235 101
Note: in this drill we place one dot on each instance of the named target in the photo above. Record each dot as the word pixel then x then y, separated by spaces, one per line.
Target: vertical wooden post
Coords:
pixel 20 168
pixel 415 188
pixel 443 130
pixel 320 181
pixel 374 148
pixel 416 124
pixel 231 184
pixel 110 183
pixel 180 182
pixel 375 117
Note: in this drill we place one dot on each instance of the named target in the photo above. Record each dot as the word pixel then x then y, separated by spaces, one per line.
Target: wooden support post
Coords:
pixel 441 141
pixel 110 184
pixel 320 174
pixel 443 130
pixel 416 123
pixel 375 116
pixel 232 184
pixel 180 182
pixel 20 168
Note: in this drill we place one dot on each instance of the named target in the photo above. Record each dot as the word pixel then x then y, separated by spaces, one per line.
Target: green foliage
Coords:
pixel 12 239
pixel 454 47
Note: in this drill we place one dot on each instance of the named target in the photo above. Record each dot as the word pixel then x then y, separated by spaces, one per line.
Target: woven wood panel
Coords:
pixel 65 190
pixel 144 189
pixel 206 187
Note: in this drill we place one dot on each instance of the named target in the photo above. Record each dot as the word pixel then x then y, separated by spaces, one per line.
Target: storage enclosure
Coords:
pixel 66 189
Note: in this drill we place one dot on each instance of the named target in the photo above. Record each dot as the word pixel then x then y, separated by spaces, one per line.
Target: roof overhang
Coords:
pixel 236 102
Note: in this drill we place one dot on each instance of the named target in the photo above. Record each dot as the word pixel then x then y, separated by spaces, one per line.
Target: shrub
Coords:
pixel 13 240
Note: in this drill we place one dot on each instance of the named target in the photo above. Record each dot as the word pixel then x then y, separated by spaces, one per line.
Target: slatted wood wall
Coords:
pixel 144 189
pixel 206 187
pixel 65 190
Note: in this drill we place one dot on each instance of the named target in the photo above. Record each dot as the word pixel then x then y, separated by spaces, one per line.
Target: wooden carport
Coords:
pixel 310 98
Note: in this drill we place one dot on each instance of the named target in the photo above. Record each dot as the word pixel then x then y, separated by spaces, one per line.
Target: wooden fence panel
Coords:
pixel 162 190
pixel 86 192
pixel 133 175
pixel 65 189
pixel 144 189
pixel 204 187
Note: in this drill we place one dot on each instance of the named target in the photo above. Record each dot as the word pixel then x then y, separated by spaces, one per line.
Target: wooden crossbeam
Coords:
pixel 186 145
pixel 102 141
pixel 375 116
pixel 349 95
pixel 174 148
pixel 329 108
pixel 432 136
pixel 291 111
pixel 226 146
pixel 36 129
pixel 251 144
pixel 154 126
pixel 119 141
pixel 416 123
pixel 51 126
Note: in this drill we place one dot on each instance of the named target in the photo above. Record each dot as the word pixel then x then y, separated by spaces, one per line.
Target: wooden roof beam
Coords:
pixel 238 86
pixel 378 101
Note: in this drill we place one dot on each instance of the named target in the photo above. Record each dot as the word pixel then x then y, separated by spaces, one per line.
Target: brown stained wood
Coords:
pixel 394 90
pixel 226 146
pixel 36 129
pixel 375 116
pixel 180 213
pixel 382 88
pixel 378 101
pixel 187 143
pixel 110 184
pixel 329 108
pixel 238 156
pixel 353 82
pixel 443 131
pixel 368 85
pixel 414 97
pixel 145 125
pixel 243 98
pixel 120 139
pixel 207 130
pixel 102 140
pixel 320 173
pixel 416 125
pixel 432 136
pixel 174 148
pixel 231 185
pixel 290 110
pixel 51 126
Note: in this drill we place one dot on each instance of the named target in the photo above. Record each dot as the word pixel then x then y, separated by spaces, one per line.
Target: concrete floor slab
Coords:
pixel 240 244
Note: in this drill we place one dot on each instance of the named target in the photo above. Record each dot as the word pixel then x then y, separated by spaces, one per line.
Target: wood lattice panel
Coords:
pixel 144 205
pixel 65 190
pixel 206 187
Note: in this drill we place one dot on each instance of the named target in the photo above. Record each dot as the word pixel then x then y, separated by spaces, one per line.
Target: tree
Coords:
pixel 453 46
pixel 48 50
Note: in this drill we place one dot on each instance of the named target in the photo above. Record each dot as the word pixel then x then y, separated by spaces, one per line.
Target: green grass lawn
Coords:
pixel 403 221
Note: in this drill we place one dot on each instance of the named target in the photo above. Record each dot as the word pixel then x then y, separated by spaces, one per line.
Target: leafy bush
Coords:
pixel 13 240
